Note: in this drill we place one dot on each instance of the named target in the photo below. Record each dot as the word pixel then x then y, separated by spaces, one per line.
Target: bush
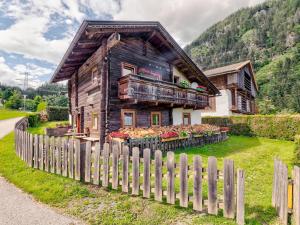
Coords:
pixel 297 150
pixel 33 120
pixel 41 106
pixel 57 113
pixel 271 126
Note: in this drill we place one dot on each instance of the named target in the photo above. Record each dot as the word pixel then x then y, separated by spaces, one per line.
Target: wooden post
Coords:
pixel 240 205
pixel 147 169
pixel 183 170
pixel 52 155
pixel 88 152
pixel 275 182
pixel 135 171
pixel 125 166
pixel 105 178
pixel 296 196
pixel 197 199
pixel 82 160
pixel 77 159
pixel 96 177
pixel 58 155
pixel 47 152
pixel 65 157
pixel 171 178
pixel 36 151
pixel 115 166
pixel 283 213
pixel 228 188
pixel 71 158
pixel 41 152
pixel 212 185
pixel 31 150
pixel 158 176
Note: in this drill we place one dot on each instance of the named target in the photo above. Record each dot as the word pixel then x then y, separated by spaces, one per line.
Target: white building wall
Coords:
pixel 177 114
pixel 223 105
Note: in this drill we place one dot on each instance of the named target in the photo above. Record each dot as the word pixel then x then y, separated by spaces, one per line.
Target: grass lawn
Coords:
pixel 98 206
pixel 41 128
pixel 7 114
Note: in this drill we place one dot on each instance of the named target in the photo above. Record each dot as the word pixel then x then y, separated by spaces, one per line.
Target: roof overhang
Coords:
pixel 91 33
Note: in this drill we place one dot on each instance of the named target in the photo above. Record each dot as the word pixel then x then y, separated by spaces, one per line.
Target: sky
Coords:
pixel 34 34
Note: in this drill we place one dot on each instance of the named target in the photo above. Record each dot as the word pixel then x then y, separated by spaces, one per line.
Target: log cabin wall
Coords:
pixel 86 93
pixel 141 55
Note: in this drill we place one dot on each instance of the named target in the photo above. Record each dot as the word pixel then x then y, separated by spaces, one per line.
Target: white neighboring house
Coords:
pixel 238 88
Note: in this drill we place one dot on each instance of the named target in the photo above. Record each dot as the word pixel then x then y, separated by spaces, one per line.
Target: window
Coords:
pixel 155 118
pixel 128 69
pixel 186 118
pixel 128 118
pixel 94 75
pixel 176 80
pixel 95 121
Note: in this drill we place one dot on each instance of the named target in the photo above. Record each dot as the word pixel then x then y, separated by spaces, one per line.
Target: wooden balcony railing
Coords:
pixel 143 89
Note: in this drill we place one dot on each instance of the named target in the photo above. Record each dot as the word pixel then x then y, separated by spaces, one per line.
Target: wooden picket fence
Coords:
pixel 286 192
pixel 149 175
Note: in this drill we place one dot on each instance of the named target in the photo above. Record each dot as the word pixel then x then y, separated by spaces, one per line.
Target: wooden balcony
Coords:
pixel 143 89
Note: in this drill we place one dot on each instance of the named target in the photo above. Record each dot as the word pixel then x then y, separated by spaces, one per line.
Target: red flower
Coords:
pixel 119 135
pixel 226 129
pixel 169 134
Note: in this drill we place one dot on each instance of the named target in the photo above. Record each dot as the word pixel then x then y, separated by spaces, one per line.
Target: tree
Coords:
pixel 14 101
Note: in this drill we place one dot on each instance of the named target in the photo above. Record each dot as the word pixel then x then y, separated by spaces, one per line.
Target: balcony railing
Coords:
pixel 143 89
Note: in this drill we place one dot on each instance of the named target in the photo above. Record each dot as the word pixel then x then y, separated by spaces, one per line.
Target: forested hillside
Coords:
pixel 267 34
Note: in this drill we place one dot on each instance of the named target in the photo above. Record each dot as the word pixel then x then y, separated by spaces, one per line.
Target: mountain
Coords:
pixel 268 34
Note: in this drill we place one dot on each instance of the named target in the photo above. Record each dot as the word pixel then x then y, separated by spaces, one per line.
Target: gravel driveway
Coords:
pixel 19 208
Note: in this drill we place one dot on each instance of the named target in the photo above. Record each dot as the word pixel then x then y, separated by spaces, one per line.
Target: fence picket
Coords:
pixel 105 178
pixel 47 153
pixel 77 159
pixel 36 151
pixel 212 185
pixel 58 155
pixel 71 158
pixel 240 208
pixel 283 213
pixel 183 176
pixel 125 170
pixel 296 194
pixel 115 166
pixel 41 152
pixel 96 176
pixel 64 151
pixel 52 155
pixel 197 194
pixel 31 150
pixel 158 176
pixel 87 167
pixel 228 188
pixel 147 175
pixel 171 178
pixel 135 171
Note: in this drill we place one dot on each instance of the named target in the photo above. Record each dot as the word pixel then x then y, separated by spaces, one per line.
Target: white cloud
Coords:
pixel 184 19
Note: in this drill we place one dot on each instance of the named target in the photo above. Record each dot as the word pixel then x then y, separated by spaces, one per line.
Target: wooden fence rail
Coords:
pixel 286 192
pixel 150 176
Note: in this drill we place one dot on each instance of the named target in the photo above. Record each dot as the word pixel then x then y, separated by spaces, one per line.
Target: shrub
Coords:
pixel 271 126
pixel 41 106
pixel 297 150
pixel 57 113
pixel 33 120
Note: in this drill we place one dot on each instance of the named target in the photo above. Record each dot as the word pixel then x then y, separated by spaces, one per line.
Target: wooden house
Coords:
pixel 238 88
pixel 129 74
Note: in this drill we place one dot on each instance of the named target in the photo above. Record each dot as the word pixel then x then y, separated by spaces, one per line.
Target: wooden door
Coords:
pixel 78 123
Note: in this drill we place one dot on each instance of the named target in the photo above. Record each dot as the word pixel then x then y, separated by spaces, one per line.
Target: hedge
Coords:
pixel 284 127
pixel 57 113
pixel 33 120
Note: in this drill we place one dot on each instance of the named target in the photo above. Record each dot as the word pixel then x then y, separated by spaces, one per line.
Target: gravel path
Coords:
pixel 18 208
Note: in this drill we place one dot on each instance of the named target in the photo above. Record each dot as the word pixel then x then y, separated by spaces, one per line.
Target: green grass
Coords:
pixel 99 206
pixel 41 128
pixel 7 114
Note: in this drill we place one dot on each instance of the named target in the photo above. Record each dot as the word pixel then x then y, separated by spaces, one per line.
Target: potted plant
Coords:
pixel 201 88
pixel 184 84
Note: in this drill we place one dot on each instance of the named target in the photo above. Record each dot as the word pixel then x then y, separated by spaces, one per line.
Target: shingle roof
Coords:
pixel 226 69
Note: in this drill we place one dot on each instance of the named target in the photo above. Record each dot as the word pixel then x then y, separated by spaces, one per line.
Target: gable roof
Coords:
pixel 232 68
pixel 90 34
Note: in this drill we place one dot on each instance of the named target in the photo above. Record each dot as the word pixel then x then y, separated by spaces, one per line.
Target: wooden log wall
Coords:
pixel 136 175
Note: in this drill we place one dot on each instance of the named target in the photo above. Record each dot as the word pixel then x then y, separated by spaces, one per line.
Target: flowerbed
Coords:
pixel 168 132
